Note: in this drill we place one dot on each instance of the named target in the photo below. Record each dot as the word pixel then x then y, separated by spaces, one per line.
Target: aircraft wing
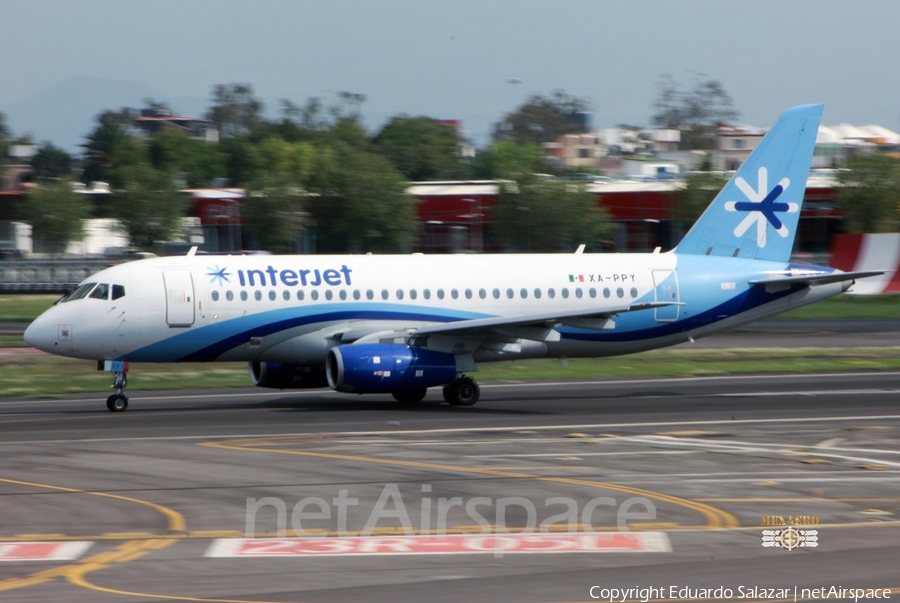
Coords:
pixel 543 320
pixel 814 279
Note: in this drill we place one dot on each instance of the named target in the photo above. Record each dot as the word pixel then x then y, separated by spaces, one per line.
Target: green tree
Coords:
pixel 243 164
pixel 56 214
pixel 196 161
pixel 51 162
pixel 274 213
pixel 869 193
pixel 508 159
pixel 363 204
pixel 698 192
pixel 148 207
pixel 5 135
pixel 289 162
pixel 235 109
pixel 543 118
pixel 696 112
pixel 421 148
pixel 549 215
pixel 110 146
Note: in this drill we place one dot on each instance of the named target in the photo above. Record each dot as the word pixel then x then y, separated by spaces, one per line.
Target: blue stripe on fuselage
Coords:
pixel 210 342
pixel 750 299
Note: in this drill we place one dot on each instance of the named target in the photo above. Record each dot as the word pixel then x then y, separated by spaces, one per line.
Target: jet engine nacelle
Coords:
pixel 280 375
pixel 380 368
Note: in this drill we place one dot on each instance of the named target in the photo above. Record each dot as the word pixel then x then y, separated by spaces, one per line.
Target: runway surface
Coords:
pixel 692 468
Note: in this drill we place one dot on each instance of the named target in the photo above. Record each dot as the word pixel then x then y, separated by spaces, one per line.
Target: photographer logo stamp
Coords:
pixel 791 533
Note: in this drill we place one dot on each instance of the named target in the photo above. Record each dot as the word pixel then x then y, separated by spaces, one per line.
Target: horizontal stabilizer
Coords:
pixel 814 279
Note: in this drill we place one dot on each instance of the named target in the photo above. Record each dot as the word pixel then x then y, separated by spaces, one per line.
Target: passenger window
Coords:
pixel 634 292
pixel 551 292
pixel 579 293
pixel 342 294
pixel 314 295
pixel 300 296
pixel 229 295
pixel 385 294
pixel 101 291
pixel 426 293
pixel 440 293
pixel 272 295
pixel 565 293
pixel 606 292
pixel 370 294
pixel 482 293
pixel 496 293
pixel 215 296
pixel 468 294
pixel 620 292
pixel 454 293
pixel 537 294
pixel 356 294
pixel 328 294
pixel 286 295
pixel 118 291
pixel 257 295
pixel 510 293
pixel 592 292
pixel 413 294
pixel 399 293
pixel 524 293
pixel 243 296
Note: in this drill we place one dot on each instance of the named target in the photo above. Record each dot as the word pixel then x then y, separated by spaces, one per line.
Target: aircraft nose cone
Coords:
pixel 39 334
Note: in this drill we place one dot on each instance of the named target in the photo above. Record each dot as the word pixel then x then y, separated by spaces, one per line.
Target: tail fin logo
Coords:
pixel 762 207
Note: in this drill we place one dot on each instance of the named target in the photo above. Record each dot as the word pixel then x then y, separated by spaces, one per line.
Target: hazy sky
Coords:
pixel 448 59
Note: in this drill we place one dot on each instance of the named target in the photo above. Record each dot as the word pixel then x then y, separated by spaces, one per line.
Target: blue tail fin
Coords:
pixel 756 214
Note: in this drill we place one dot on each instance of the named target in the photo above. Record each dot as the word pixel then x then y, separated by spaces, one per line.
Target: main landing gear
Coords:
pixel 118 402
pixel 462 392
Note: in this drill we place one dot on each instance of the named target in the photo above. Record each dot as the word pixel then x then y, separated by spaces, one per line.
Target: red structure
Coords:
pixel 456 215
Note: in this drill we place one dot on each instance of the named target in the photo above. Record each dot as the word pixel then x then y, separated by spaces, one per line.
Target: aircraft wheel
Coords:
pixel 117 403
pixel 462 392
pixel 410 396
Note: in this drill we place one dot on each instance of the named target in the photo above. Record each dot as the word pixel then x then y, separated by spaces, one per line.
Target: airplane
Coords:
pixel 400 324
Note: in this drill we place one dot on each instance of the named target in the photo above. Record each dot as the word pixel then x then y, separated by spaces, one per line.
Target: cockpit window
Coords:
pixel 79 292
pixel 118 291
pixel 101 291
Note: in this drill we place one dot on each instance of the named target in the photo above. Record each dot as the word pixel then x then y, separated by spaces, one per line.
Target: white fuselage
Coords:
pixel 294 308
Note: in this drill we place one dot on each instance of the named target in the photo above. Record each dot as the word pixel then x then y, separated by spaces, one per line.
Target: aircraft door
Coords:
pixel 665 284
pixel 179 297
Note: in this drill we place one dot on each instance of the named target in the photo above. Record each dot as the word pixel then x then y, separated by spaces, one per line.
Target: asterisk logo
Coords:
pixel 218 275
pixel 762 207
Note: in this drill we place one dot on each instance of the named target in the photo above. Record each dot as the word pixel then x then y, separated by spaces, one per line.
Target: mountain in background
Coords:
pixel 65 113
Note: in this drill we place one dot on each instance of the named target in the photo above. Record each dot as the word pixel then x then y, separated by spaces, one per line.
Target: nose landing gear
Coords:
pixel 117 402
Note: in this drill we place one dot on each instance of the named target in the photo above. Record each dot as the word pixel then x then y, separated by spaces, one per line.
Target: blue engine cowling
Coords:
pixel 280 375
pixel 380 368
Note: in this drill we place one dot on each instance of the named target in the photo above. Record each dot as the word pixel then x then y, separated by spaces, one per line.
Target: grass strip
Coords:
pixel 39 375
